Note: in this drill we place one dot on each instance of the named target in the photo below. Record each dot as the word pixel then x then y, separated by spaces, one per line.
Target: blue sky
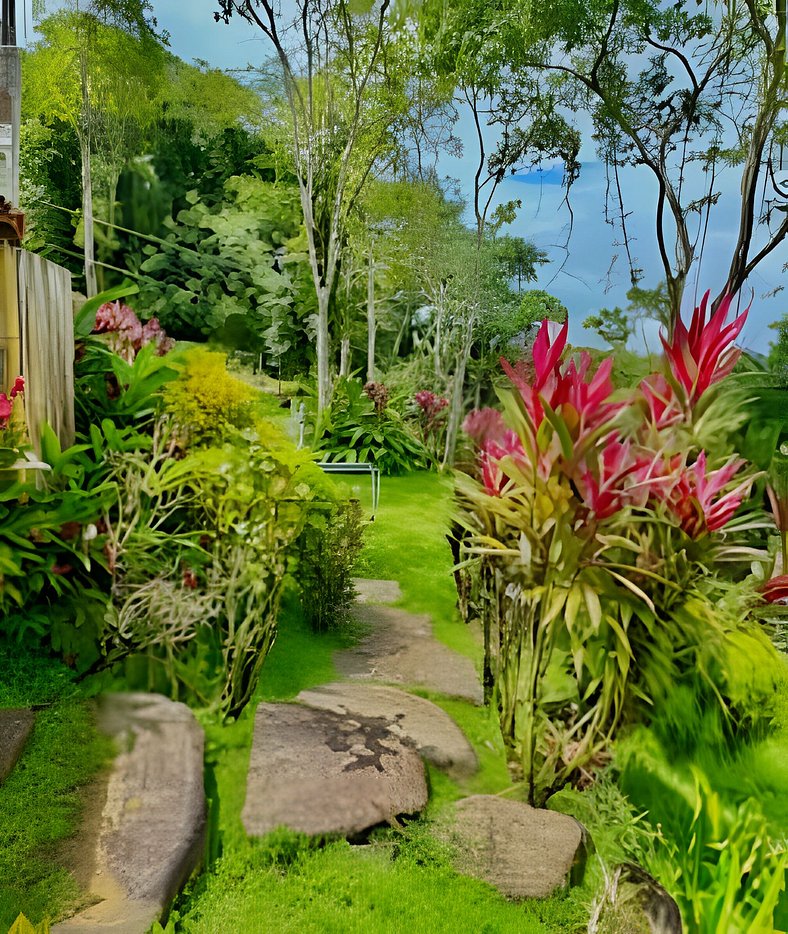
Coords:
pixel 588 279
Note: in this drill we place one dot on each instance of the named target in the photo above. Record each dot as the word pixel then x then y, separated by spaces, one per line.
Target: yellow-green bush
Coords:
pixel 206 401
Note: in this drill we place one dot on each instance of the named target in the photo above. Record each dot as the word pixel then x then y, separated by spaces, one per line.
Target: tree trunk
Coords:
pixel 371 324
pixel 322 350
pixel 456 403
pixel 344 357
pixel 91 287
pixel 87 182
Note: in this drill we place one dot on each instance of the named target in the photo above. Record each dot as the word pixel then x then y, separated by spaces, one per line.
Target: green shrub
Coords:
pixel 206 402
pixel 353 431
pixel 328 548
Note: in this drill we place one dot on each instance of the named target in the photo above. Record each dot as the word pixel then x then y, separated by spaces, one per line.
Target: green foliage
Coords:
pixel 778 350
pixel 508 331
pixel 207 402
pixel 351 430
pixel 291 886
pixel 720 858
pixel 328 548
pixel 233 269
pixel 612 325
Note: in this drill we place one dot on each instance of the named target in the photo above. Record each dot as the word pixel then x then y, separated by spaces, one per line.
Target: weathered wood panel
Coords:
pixel 47 345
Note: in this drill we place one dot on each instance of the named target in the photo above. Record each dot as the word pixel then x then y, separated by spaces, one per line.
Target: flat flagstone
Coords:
pixel 435 735
pixel 376 591
pixel 399 648
pixel 15 727
pixel 152 826
pixel 524 852
pixel 320 773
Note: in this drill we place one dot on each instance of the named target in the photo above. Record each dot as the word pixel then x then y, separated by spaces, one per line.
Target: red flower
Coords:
pixel 604 492
pixel 494 477
pixel 5 410
pixel 19 386
pixel 663 406
pixel 695 497
pixel 484 425
pixel 775 590
pixel 704 355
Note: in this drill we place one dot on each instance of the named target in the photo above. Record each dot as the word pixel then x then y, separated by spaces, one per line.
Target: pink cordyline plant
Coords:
pixel 611 472
pixel 704 354
pixel 7 401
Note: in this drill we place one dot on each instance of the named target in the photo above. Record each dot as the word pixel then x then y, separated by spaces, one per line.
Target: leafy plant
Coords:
pixel 592 540
pixel 328 548
pixel 206 402
pixel 353 431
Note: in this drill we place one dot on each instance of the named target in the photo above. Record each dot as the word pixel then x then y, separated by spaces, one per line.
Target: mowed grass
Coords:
pixel 41 800
pixel 385 888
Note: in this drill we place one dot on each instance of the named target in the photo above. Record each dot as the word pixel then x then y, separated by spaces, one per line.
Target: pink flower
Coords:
pixel 704 355
pixel 605 492
pixel 18 387
pixel 5 410
pixel 484 425
pixel 494 477
pixel 695 496
pixel 775 590
pixel 663 406
pixel 548 347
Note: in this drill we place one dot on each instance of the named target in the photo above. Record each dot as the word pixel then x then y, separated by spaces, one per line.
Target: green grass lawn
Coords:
pixel 41 800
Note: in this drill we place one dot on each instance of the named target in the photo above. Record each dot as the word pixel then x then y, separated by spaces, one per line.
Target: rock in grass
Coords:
pixel 153 821
pixel 320 773
pixel 636 903
pixel 435 735
pixel 15 727
pixel 524 852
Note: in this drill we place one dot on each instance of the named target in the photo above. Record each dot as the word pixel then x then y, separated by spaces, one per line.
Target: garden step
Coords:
pixel 15 727
pixel 323 774
pixel 376 591
pixel 152 826
pixel 524 852
pixel 431 730
pixel 399 648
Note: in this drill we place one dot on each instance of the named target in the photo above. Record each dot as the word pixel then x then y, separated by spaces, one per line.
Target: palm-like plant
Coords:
pixel 592 535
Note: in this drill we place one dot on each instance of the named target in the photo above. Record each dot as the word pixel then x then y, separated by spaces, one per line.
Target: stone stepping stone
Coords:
pixel 320 773
pixel 15 727
pixel 153 822
pixel 399 648
pixel 524 852
pixel 376 591
pixel 431 730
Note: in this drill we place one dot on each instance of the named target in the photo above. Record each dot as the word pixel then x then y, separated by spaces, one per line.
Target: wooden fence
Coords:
pixel 47 333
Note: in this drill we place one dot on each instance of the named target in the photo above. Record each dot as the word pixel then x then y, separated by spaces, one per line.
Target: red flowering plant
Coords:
pixel 431 412
pixel 127 334
pixel 11 435
pixel 592 531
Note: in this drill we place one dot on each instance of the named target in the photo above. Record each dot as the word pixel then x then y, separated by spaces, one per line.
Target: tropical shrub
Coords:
pixel 592 541
pixel 206 402
pixel 353 430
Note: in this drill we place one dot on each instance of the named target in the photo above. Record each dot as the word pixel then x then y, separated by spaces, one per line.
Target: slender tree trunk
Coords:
pixel 344 357
pixel 322 350
pixel 371 323
pixel 87 182
pixel 457 400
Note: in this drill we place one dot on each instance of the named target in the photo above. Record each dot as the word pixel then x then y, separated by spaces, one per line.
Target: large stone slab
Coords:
pixel 524 852
pixel 15 727
pixel 376 591
pixel 399 648
pixel 435 735
pixel 153 821
pixel 320 773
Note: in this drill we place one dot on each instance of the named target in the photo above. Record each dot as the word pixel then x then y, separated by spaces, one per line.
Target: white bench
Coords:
pixel 347 467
